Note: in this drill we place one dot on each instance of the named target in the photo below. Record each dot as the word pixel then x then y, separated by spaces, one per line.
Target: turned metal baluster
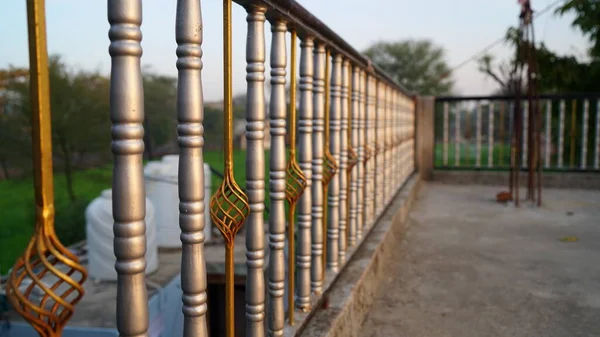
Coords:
pixel 369 137
pixel 584 136
pixel 445 147
pixel 386 146
pixel 190 114
pixel 491 135
pixel 525 141
pixel 333 200
pixel 379 149
pixel 360 172
pixel 229 205
pixel 395 172
pixel 398 145
pixel 343 174
pixel 295 182
pixel 305 127
pixel 597 137
pixel 561 133
pixel 352 232
pixel 316 275
pixel 548 134
pixel 478 136
pixel 277 181
pixel 255 170
pixel 129 204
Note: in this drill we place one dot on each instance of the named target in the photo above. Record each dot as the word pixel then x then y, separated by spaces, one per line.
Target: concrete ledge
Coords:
pixel 350 296
pixel 576 180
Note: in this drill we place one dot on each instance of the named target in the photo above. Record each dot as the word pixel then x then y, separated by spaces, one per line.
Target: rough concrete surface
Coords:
pixel 471 267
pixel 352 293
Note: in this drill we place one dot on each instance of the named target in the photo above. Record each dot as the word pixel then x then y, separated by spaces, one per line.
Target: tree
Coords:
pixel 419 65
pixel 80 117
pixel 11 137
pixel 160 111
pixel 557 73
pixel 587 19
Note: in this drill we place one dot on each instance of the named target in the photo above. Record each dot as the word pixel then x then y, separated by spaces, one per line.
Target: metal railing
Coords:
pixel 355 151
pixel 380 130
pixel 475 132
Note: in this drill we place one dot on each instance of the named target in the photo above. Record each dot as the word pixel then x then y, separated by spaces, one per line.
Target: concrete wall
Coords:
pixel 424 136
pixel 576 180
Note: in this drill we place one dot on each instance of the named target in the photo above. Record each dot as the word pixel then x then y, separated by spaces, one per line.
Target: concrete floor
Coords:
pixel 472 267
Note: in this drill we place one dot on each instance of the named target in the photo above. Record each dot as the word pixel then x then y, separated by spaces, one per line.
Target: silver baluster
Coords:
pixel 525 132
pixel 129 203
pixel 478 136
pixel 586 108
pixel 342 173
pixel 190 113
pixel 387 133
pixel 491 135
pixel 360 172
pixel 277 176
pixel 305 126
pixel 334 148
pixel 379 158
pixel 548 134
pixel 352 233
pixel 457 139
pixel 316 274
pixel 445 147
pixel 561 133
pixel 396 166
pixel 255 172
pixel 597 136
pixel 369 133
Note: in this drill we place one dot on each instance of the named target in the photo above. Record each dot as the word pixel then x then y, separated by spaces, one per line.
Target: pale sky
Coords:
pixel 78 30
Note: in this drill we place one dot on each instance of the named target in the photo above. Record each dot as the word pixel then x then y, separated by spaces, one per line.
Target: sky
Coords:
pixel 78 30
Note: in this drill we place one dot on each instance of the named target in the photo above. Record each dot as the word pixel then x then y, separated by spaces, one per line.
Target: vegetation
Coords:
pixel 419 65
pixel 557 73
pixel 17 205
pixel 81 146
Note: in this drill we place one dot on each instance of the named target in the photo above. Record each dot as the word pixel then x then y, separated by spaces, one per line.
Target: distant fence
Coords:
pixel 475 132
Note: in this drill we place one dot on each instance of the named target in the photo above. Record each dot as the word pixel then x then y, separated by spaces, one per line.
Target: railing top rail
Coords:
pixel 306 24
pixel 573 95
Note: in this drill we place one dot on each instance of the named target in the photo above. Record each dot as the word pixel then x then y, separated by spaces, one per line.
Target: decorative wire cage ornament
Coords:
pixel 229 207
pixel 295 181
pixel 47 280
pixel 329 167
pixel 368 154
pixel 352 159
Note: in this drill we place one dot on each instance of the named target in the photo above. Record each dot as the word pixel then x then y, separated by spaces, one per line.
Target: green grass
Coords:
pixel 17 204
pixel 468 156
pixel 17 207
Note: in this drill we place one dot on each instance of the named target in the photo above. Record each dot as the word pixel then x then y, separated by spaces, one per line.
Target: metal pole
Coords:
pixel 44 256
pixel 229 205
pixel 190 114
